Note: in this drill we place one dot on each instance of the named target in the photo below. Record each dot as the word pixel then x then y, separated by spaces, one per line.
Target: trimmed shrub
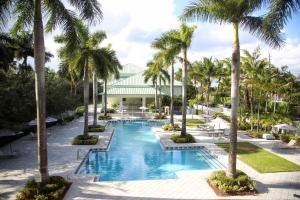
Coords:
pixel 285 137
pixel 222 116
pixel 179 139
pixel 52 190
pixel 79 111
pixel 98 128
pixel 85 140
pixel 169 127
pixel 109 110
pixel 242 182
pixel 255 134
pixel 103 117
pixel 160 116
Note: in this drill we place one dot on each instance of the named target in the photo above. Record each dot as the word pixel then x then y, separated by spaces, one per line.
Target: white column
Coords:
pixel 144 101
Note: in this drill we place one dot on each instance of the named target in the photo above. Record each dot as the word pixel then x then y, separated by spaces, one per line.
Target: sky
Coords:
pixel 131 26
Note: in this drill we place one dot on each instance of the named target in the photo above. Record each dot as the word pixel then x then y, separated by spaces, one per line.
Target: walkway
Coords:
pixel 189 184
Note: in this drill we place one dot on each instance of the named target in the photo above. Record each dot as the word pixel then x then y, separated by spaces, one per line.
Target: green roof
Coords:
pixel 132 91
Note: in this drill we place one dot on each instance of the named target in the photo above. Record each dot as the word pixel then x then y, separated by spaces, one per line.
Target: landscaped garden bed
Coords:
pixel 194 123
pixel 261 160
pixel 85 140
pixel 225 186
pixel 97 128
pixel 170 127
pixel 104 117
pixel 160 116
pixel 183 139
pixel 54 189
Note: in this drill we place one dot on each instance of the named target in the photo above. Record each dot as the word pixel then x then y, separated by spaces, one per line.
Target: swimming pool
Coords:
pixel 135 154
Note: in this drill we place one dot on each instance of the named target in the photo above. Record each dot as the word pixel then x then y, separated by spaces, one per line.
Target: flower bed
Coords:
pixel 224 185
pixel 104 117
pixel 98 128
pixel 183 139
pixel 54 189
pixel 169 127
pixel 85 140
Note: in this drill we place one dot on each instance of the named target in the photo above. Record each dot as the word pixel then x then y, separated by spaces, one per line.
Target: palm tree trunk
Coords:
pixel 39 60
pixel 184 87
pixel 155 98
pixel 235 76
pixel 172 96
pixel 207 96
pixel 258 111
pixel 160 99
pixel 86 98
pixel 95 98
pixel 105 97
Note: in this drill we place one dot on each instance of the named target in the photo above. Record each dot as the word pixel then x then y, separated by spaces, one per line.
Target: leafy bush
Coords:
pixel 109 110
pixel 297 140
pixel 52 190
pixel 85 140
pixel 286 137
pixel 160 116
pixel 244 125
pixel 222 116
pixel 169 127
pixel 98 128
pixel 242 182
pixel 104 117
pixel 255 134
pixel 79 111
pixel 179 139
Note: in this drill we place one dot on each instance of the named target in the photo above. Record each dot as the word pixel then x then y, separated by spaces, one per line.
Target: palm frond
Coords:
pixel 24 13
pixel 89 9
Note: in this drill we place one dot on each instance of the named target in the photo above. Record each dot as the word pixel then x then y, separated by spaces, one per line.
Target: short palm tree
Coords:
pixel 158 75
pixel 181 40
pixel 82 56
pixel 239 14
pixel 168 53
pixel 106 65
pixel 29 13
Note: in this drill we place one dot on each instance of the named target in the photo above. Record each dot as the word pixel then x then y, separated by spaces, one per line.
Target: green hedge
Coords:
pixel 160 116
pixel 54 189
pixel 98 128
pixel 103 117
pixel 85 140
pixel 242 182
pixel 179 139
pixel 169 127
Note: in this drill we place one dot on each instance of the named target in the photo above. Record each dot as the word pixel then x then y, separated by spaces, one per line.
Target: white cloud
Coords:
pixel 131 25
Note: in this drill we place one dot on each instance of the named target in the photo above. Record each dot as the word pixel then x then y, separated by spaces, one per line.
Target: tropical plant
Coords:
pixel 83 56
pixel 167 52
pixel 30 14
pixel 158 75
pixel 239 13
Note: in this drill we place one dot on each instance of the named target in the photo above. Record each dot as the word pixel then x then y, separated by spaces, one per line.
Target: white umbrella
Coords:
pixel 285 127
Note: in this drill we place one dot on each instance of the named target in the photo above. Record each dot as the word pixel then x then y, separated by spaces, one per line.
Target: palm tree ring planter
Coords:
pixel 104 117
pixel 97 128
pixel 85 140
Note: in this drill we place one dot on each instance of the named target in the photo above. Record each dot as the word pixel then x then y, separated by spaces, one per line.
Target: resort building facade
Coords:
pixel 131 91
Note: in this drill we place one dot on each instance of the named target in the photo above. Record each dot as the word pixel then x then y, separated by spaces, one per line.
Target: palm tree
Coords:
pixel 239 14
pixel 106 65
pixel 167 53
pixel 30 14
pixel 81 56
pixel 181 40
pixel 157 74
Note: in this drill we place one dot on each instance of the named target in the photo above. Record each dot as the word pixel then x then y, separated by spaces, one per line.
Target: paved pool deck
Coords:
pixel 190 185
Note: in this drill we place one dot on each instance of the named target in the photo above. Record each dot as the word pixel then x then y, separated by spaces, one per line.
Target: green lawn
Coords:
pixel 261 160
pixel 194 122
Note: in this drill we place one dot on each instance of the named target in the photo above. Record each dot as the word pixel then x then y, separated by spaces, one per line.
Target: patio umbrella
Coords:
pixel 286 127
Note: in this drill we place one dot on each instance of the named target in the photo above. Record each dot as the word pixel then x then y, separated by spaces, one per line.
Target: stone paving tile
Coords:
pixel 188 185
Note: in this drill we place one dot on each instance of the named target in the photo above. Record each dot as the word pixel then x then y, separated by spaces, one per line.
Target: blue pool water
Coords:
pixel 135 154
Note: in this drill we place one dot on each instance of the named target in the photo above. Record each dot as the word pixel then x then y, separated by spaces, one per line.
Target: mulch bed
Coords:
pixel 68 185
pixel 224 194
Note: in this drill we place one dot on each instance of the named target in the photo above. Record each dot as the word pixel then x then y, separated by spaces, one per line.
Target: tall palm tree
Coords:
pixel 30 14
pixel 168 54
pixel 158 75
pixel 239 14
pixel 81 56
pixel 181 40
pixel 106 65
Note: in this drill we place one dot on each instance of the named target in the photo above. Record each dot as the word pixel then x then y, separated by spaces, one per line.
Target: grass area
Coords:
pixel 261 160
pixel 194 122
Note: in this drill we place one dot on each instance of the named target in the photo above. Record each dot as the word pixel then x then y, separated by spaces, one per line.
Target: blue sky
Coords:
pixel 131 26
